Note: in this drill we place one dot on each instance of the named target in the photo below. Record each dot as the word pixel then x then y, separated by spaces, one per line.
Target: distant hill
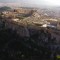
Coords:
pixel 5 8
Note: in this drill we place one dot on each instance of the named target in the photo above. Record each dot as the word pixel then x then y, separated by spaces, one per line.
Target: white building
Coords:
pixel 45 25
pixel 15 19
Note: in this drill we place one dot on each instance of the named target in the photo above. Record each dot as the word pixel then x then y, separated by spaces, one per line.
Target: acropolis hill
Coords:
pixel 23 19
pixel 15 18
pixel 29 34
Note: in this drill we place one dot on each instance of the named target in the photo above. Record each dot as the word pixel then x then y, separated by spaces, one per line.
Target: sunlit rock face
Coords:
pixel 35 14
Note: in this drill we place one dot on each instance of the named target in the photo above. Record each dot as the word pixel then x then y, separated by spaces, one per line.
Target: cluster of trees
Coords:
pixel 15 47
pixel 5 8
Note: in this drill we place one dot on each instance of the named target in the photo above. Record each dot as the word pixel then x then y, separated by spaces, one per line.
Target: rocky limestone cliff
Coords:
pixel 21 30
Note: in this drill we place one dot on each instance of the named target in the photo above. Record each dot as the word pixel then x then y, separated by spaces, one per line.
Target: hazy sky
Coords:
pixel 37 2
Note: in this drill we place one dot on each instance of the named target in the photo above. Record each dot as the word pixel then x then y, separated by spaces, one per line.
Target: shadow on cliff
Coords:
pixel 15 47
